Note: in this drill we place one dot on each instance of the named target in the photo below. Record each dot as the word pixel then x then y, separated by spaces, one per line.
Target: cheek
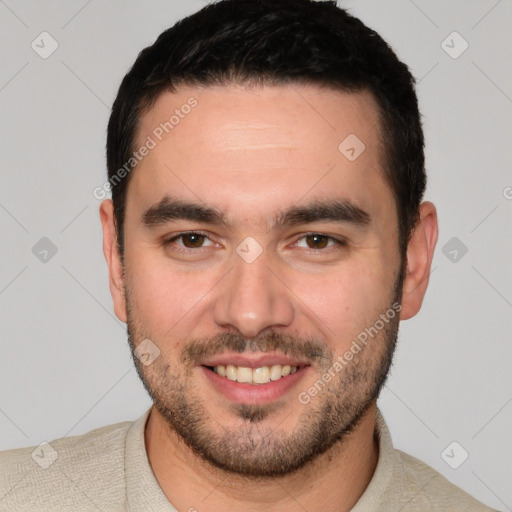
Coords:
pixel 345 301
pixel 166 299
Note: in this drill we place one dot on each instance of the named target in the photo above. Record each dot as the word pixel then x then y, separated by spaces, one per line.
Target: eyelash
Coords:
pixel 337 242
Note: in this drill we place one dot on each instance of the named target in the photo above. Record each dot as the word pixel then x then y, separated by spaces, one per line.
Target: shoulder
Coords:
pixel 57 473
pixel 402 482
pixel 423 488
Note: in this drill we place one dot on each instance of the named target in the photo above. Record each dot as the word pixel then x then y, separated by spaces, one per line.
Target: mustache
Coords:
pixel 309 349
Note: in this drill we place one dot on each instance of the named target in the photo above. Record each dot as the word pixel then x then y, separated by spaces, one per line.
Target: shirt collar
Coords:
pixel 373 496
pixel 142 490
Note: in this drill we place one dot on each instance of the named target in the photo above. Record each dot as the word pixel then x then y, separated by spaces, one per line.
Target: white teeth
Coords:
pixel 244 374
pixel 230 372
pixel 261 375
pixel 275 372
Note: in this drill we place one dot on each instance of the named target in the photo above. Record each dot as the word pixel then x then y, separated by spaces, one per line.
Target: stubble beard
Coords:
pixel 254 446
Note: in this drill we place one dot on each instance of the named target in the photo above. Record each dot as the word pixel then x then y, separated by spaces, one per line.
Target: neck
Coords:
pixel 336 479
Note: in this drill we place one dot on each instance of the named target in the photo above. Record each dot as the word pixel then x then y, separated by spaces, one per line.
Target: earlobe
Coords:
pixel 113 259
pixel 420 252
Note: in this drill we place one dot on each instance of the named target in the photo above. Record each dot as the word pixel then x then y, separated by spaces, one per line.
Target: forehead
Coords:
pixel 257 148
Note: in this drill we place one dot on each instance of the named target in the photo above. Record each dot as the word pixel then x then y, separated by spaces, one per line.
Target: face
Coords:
pixel 258 251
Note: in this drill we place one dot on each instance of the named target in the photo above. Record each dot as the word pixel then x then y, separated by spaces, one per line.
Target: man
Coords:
pixel 264 238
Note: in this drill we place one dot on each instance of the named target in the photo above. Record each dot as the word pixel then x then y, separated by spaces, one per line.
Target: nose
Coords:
pixel 252 298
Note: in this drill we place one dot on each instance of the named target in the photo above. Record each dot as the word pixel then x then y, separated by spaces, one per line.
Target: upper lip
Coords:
pixel 253 360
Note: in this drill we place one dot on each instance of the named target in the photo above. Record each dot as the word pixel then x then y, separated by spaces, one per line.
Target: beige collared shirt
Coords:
pixel 107 469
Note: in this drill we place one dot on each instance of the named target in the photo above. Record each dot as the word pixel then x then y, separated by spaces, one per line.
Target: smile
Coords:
pixel 261 375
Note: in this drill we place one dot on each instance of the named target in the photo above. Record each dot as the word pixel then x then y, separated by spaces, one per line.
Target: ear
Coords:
pixel 420 252
pixel 113 258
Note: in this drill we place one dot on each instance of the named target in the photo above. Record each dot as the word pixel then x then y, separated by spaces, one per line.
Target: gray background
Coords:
pixel 65 365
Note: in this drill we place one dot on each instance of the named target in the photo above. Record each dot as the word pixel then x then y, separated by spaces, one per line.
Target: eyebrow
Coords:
pixel 168 209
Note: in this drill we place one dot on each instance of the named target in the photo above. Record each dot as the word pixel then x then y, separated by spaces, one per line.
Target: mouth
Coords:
pixel 257 380
pixel 257 376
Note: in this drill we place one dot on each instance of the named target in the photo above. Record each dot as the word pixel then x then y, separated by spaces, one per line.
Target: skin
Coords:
pixel 252 153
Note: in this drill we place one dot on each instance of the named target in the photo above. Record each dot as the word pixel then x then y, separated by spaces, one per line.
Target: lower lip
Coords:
pixel 244 393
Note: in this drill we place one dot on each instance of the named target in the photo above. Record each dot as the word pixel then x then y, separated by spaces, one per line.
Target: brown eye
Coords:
pixel 188 240
pixel 319 242
pixel 192 240
pixel 316 241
